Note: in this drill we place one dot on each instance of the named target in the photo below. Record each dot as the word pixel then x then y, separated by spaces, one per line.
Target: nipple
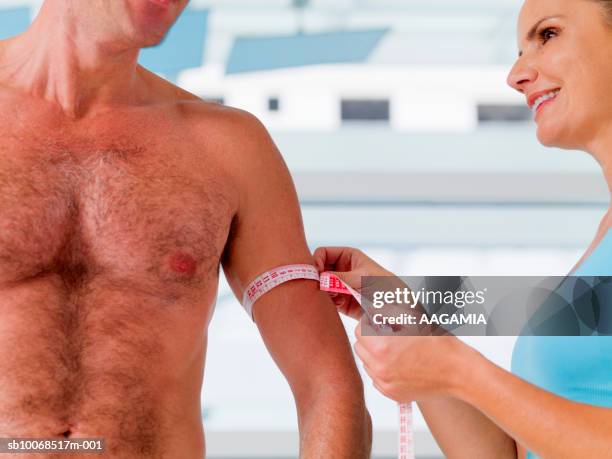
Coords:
pixel 183 263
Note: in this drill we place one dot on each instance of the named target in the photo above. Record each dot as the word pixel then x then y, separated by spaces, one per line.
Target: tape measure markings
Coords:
pixel 271 279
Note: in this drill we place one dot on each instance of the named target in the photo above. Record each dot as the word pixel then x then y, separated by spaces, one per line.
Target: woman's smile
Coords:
pixel 540 99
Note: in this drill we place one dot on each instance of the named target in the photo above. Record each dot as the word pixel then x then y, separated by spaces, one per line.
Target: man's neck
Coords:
pixel 60 61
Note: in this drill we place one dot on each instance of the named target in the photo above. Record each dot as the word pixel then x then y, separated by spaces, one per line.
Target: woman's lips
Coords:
pixel 547 102
pixel 164 3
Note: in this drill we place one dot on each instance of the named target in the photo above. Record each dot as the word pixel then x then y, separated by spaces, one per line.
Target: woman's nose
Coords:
pixel 521 75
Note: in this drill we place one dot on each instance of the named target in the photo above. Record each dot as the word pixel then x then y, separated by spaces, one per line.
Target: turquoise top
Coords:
pixel 578 368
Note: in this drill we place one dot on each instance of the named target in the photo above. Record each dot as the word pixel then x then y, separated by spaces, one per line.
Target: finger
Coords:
pixel 327 256
pixel 319 256
pixel 370 371
pixel 376 370
pixel 348 308
pixel 370 343
pixel 374 373
pixel 383 390
pixel 347 260
pixel 336 258
pixel 354 310
pixel 341 305
pixel 365 356
pixel 342 310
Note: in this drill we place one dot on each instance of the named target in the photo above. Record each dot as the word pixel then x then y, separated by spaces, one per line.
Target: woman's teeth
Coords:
pixel 540 100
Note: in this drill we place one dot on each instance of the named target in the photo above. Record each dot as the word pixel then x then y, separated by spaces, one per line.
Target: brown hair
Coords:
pixel 607 7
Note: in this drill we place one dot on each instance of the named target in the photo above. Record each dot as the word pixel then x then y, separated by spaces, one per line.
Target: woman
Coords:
pixel 557 405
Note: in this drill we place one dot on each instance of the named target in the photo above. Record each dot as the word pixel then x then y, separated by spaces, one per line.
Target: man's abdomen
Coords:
pixel 105 361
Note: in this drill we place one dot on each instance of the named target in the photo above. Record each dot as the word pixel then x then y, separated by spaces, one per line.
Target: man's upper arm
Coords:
pixel 299 324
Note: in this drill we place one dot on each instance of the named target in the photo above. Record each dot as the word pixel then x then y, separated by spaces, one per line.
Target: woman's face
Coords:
pixel 564 70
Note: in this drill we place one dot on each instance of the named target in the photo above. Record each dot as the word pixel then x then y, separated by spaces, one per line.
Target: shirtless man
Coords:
pixel 120 196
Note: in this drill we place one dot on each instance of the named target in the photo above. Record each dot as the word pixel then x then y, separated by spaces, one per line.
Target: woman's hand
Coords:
pixel 403 368
pixel 407 368
pixel 349 265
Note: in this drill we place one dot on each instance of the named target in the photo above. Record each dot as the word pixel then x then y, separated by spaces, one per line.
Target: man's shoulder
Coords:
pixel 235 134
pixel 230 134
pixel 207 117
pixel 214 118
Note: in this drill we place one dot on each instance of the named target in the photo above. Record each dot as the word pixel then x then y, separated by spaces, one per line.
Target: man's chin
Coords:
pixel 150 31
pixel 151 43
pixel 150 39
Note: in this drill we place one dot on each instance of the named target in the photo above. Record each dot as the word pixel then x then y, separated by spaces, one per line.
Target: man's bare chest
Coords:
pixel 129 213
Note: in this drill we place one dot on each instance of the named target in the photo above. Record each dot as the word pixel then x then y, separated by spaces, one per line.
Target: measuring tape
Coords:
pixel 271 279
pixel 328 282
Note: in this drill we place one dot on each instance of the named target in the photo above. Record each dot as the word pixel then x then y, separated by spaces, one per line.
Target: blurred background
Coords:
pixel 403 139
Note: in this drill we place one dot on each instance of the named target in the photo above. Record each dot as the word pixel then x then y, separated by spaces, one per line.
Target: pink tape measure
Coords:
pixel 328 282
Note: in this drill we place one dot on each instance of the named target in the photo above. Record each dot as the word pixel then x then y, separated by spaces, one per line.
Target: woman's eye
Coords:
pixel 547 34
